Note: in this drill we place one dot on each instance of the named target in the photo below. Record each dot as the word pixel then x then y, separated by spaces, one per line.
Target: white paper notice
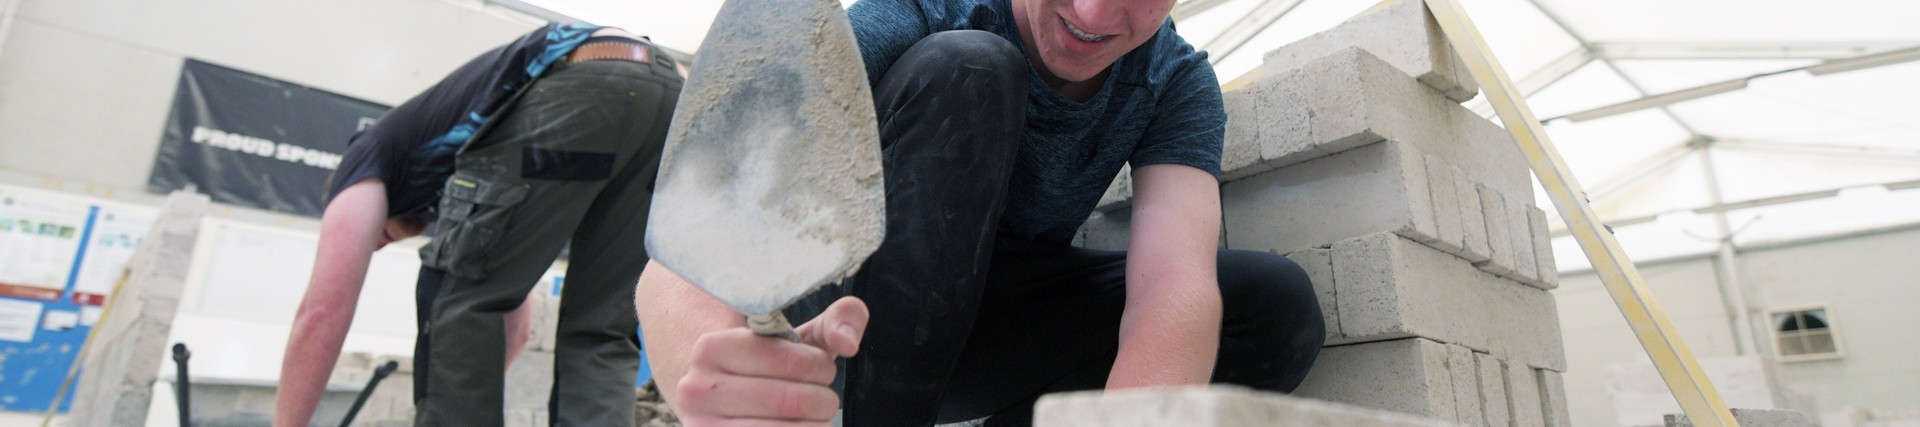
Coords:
pixel 60 320
pixel 90 315
pixel 18 319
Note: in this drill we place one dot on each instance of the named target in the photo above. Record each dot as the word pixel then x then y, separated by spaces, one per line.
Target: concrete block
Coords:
pixel 117 388
pixel 1446 206
pixel 1211 406
pixel 544 323
pixel 1464 373
pixel 1493 390
pixel 1319 266
pixel 1401 32
pixel 1500 253
pixel 1549 272
pixel 529 381
pixel 1279 132
pixel 1752 418
pixel 1241 150
pixel 1523 395
pixel 1388 287
pixel 1553 398
pixel 1105 231
pixel 1351 98
pixel 1408 376
pixel 1379 187
pixel 1120 192
pixel 1473 220
pixel 1525 266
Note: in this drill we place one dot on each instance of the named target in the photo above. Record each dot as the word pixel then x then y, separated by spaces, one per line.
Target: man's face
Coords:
pixel 401 228
pixel 1078 39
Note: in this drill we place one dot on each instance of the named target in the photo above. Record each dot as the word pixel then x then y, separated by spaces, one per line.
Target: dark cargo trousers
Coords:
pixel 967 323
pixel 573 158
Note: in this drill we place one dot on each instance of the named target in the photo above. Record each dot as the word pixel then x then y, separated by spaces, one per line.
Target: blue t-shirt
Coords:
pixel 1160 104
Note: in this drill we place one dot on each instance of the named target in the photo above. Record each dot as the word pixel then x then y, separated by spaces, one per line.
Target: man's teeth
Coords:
pixel 1085 37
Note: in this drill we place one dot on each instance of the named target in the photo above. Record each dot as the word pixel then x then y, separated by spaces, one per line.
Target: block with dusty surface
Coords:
pixel 1211 406
pixel 1408 376
pixel 1350 98
pixel 1379 187
pixel 1403 33
pixel 1388 287
pixel 1553 398
pixel 1318 263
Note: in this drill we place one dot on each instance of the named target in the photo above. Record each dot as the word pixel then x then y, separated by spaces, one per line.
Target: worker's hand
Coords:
pixel 738 378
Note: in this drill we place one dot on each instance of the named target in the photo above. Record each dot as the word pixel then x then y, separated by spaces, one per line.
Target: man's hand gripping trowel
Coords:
pixel 770 185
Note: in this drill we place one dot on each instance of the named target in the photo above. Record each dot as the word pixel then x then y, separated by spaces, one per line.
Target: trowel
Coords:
pixel 770 185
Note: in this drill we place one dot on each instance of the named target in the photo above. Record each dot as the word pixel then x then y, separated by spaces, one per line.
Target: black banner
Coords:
pixel 254 141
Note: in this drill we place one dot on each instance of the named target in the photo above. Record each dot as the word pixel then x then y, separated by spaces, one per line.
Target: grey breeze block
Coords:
pixel 1408 376
pixel 1211 406
pixel 1402 32
pixel 1350 98
pixel 1388 287
pixel 117 387
pixel 1378 187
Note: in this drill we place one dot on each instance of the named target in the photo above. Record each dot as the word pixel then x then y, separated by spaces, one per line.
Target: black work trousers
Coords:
pixel 573 158
pixel 967 323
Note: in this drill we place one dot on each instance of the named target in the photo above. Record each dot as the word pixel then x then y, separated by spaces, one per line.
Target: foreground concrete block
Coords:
pixel 1379 187
pixel 1319 266
pixel 1553 398
pixel 1408 376
pixel 1493 390
pixel 1752 418
pixel 131 340
pixel 1388 287
pixel 1549 275
pixel 1401 32
pixel 1523 395
pixel 1120 192
pixel 1464 372
pixel 1213 406
pixel 1500 254
pixel 1107 231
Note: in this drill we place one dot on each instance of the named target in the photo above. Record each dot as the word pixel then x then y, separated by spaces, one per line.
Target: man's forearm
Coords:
pixel 312 350
pixel 673 314
pixel 1168 336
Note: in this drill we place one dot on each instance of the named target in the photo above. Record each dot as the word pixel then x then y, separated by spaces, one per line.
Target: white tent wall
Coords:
pixel 1865 279
pixel 85 85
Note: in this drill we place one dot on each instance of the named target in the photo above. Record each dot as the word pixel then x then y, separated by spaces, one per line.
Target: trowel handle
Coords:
pixel 772 325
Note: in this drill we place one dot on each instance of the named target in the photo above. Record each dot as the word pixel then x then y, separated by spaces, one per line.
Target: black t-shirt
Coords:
pixel 411 148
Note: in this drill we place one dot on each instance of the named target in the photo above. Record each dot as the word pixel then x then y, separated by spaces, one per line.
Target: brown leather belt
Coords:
pixel 611 51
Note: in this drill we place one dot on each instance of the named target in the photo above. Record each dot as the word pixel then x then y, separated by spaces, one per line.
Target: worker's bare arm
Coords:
pixel 350 231
pixel 1170 329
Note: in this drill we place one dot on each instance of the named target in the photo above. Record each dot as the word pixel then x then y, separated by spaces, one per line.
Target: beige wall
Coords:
pixel 1869 281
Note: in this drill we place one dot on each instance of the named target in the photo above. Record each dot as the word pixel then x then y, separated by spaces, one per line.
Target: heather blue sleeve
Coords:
pixel 1189 123
pixel 885 29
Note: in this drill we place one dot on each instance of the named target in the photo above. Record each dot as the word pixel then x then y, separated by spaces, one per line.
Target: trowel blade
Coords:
pixel 770 185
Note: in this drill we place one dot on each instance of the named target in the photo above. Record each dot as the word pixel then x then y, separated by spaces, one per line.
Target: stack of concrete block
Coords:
pixel 1207 407
pixel 1412 215
pixel 126 350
